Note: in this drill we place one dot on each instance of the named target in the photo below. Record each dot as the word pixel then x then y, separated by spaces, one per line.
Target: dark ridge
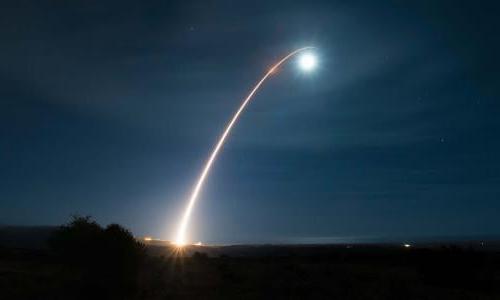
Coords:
pixel 25 237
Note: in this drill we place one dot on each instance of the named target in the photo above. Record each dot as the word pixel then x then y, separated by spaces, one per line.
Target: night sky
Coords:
pixel 110 109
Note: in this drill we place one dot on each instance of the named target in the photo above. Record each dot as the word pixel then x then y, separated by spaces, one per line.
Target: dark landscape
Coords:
pixel 224 149
pixel 85 261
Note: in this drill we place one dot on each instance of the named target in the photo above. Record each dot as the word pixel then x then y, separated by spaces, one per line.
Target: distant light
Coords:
pixel 148 238
pixel 307 62
pixel 407 245
pixel 199 244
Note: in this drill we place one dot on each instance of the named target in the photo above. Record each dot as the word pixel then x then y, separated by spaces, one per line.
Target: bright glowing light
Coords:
pixel 407 245
pixel 148 238
pixel 179 244
pixel 180 240
pixel 307 62
pixel 199 244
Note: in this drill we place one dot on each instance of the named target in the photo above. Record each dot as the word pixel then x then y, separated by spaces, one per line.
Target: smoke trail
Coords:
pixel 181 233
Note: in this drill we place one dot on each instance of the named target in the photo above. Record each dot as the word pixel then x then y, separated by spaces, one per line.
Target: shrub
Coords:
pixel 107 259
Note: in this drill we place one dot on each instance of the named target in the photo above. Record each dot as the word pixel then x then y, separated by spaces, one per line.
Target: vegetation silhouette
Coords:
pixel 88 261
pixel 99 262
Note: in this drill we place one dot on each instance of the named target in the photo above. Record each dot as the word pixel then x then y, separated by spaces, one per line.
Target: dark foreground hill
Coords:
pixel 320 272
pixel 108 264
pixel 26 237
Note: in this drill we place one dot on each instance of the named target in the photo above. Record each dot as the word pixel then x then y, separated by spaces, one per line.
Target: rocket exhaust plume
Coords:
pixel 180 238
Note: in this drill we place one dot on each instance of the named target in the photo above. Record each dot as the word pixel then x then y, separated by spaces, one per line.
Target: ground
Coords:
pixel 271 272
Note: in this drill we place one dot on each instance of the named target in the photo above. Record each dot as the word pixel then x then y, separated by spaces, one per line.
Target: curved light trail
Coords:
pixel 180 239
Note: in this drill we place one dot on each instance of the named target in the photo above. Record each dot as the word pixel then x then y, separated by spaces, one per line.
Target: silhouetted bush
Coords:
pixel 200 256
pixel 106 259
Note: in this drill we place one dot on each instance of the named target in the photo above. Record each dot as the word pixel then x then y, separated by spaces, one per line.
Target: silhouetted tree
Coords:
pixel 108 259
pixel 78 243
